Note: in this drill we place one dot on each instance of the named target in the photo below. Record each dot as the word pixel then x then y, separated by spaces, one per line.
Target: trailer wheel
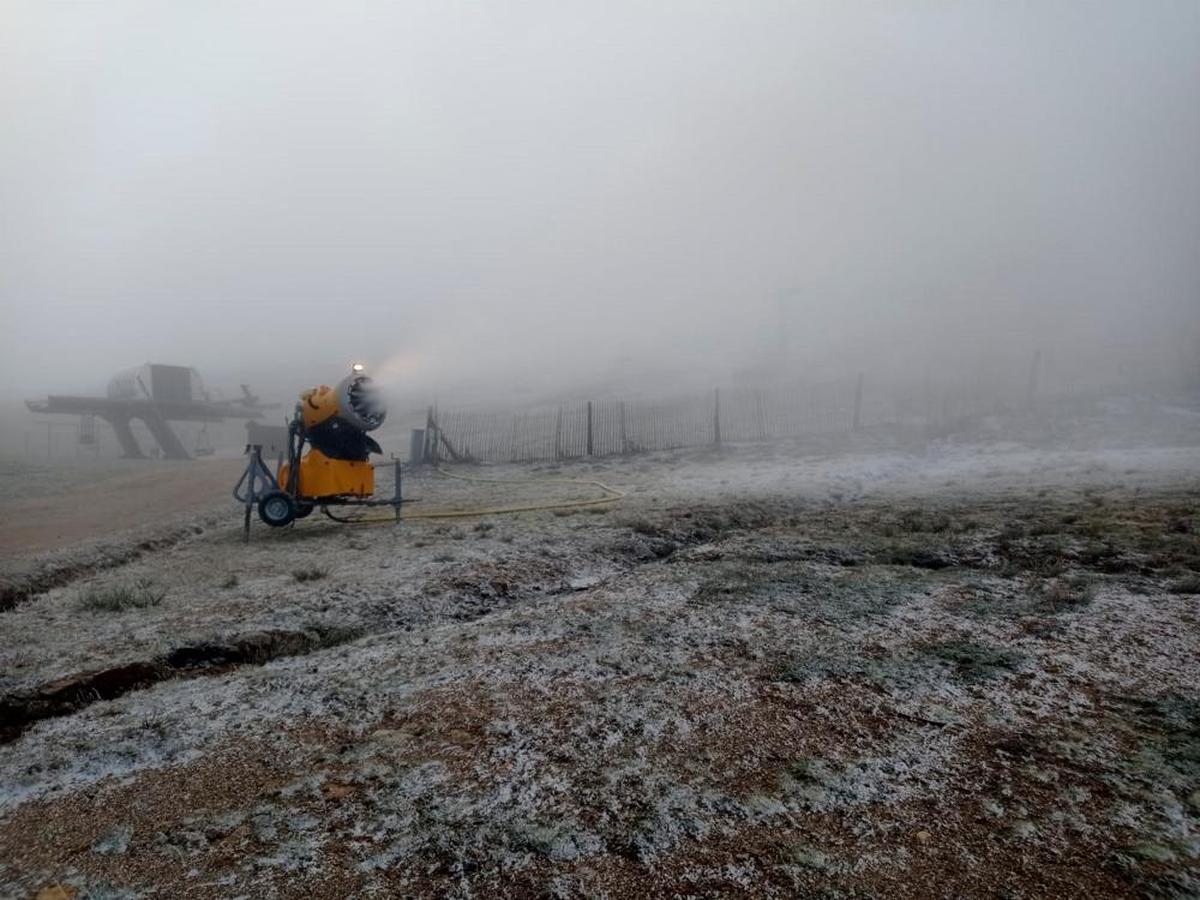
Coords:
pixel 277 508
pixel 304 509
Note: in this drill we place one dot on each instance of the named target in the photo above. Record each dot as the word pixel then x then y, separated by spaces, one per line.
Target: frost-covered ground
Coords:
pixel 953 668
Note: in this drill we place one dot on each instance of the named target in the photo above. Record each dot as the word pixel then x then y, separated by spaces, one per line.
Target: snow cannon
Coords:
pixel 328 449
pixel 334 423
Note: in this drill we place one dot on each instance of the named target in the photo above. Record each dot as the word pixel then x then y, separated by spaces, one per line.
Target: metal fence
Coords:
pixel 787 410
pixel 611 427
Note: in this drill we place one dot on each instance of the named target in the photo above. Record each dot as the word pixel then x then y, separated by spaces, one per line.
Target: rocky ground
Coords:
pixel 954 668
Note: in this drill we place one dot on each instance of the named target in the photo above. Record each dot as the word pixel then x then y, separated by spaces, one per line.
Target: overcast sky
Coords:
pixel 545 191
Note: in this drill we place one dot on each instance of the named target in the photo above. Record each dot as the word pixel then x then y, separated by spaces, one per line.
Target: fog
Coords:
pixel 530 197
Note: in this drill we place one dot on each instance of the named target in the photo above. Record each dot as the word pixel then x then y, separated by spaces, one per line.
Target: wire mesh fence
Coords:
pixel 611 427
pixel 789 410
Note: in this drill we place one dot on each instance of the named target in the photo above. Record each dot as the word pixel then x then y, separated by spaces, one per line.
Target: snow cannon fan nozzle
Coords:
pixel 360 401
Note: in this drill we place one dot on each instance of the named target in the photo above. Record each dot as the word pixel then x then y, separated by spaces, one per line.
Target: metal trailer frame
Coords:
pixel 258 482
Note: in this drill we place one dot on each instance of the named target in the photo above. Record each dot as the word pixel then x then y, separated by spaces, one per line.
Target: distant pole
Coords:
pixel 717 417
pixel 396 494
pixel 589 428
pixel 427 445
pixel 624 434
pixel 558 434
pixel 1034 373
pixel 858 386
pixel 761 415
pixel 416 446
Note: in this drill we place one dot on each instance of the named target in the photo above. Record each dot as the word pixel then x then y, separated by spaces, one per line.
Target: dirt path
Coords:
pixel 112 503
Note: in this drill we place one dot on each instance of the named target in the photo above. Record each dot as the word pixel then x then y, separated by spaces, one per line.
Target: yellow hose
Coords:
pixel 613 496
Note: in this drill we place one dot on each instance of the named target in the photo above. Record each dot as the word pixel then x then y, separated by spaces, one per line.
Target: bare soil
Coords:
pixel 70 505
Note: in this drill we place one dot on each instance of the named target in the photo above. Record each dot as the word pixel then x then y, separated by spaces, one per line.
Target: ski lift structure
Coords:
pixel 204 444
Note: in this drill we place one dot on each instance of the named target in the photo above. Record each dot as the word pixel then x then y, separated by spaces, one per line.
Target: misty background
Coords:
pixel 517 201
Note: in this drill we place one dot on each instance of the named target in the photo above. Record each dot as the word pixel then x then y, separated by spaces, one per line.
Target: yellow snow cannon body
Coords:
pixel 336 470
pixel 334 422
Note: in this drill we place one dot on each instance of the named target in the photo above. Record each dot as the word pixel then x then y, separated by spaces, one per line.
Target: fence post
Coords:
pixel 717 416
pixel 558 435
pixel 858 386
pixel 430 450
pixel 624 435
pixel 589 428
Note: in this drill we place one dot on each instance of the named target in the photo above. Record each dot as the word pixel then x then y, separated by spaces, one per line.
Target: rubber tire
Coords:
pixel 304 509
pixel 277 508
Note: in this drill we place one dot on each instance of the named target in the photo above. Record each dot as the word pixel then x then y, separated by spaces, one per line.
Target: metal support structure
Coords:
pixel 171 446
pixel 129 444
pixel 396 497
pixel 256 480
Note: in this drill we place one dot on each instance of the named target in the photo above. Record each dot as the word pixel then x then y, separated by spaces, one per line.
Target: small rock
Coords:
pixel 390 736
pixel 1152 851
pixel 810 858
pixel 923 836
pixel 930 559
pixel 1023 829
pixel 57 892
pixel 114 842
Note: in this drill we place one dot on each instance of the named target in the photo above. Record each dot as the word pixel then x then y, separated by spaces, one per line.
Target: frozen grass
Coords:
pixel 1189 584
pixel 973 660
pixel 1069 592
pixel 122 596
pixel 715 691
pixel 310 573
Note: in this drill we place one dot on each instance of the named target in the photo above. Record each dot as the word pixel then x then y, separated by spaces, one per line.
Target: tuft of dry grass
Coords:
pixel 1069 592
pixel 310 573
pixel 140 594
pixel 973 660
